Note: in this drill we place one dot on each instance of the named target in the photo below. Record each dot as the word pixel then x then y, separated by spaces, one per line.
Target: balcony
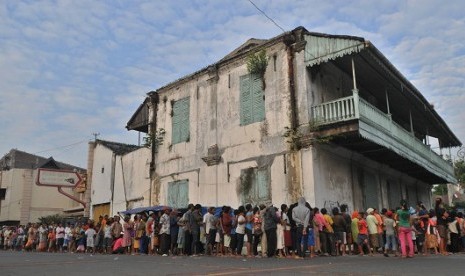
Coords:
pixel 383 139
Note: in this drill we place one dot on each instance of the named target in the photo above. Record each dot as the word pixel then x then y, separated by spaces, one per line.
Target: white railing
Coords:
pixel 335 111
pixel 354 107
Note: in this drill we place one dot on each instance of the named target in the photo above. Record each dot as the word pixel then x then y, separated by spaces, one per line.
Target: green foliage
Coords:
pixel 459 170
pixel 257 63
pixel 440 189
pixel 292 137
pixel 51 219
pixel 155 138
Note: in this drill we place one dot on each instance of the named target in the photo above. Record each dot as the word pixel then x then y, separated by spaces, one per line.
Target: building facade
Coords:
pixel 328 117
pixel 21 200
pixel 119 178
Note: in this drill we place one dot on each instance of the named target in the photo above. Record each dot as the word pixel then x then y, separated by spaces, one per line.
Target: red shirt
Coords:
pixel 362 227
pixel 118 244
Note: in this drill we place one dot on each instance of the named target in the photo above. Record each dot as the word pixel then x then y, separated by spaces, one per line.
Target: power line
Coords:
pixel 266 16
pixel 61 147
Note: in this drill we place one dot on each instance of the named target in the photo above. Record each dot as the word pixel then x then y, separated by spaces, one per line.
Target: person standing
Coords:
pixel 195 222
pixel 391 241
pixel 271 221
pixel 339 227
pixel 372 223
pixel 441 217
pixel 301 216
pixel 240 230
pixel 165 238
pixel 60 237
pixel 405 230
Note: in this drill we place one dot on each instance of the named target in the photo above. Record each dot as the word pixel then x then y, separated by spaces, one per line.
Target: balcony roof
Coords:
pixel 375 76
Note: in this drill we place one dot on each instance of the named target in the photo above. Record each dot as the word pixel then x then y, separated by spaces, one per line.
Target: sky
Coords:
pixel 69 69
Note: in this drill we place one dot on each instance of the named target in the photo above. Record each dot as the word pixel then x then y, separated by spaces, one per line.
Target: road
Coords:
pixel 30 263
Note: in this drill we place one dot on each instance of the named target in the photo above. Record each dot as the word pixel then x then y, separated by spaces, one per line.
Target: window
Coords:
pixel 178 194
pixel 180 119
pixel 252 99
pixel 255 186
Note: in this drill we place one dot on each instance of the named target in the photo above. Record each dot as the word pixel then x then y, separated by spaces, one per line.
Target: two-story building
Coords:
pixel 22 201
pixel 329 118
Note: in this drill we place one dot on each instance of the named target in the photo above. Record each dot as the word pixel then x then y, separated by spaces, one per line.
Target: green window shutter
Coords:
pixel 185 120
pixel 178 194
pixel 258 102
pixel 252 100
pixel 180 120
pixel 262 185
pixel 246 100
pixel 183 191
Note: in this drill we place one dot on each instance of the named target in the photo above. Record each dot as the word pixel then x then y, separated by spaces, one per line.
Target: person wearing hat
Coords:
pixel 372 224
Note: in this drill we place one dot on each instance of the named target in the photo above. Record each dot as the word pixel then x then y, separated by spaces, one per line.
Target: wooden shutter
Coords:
pixel 178 194
pixel 180 126
pixel 258 100
pixel 262 185
pixel 245 100
pixel 371 190
pixel 394 193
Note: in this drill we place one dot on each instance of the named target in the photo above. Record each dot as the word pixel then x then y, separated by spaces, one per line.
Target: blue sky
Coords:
pixel 72 68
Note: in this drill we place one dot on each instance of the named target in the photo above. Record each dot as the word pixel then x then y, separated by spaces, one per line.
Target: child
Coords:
pixel 391 241
pixel 118 246
pixel 420 230
pixel 81 241
pixel 51 240
pixel 90 234
pixel 362 238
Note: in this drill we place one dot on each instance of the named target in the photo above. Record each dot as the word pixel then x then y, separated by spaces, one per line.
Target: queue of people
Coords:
pixel 297 231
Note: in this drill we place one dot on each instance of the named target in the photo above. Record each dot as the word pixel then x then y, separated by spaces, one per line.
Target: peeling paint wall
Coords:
pixel 121 180
pixel 215 120
pixel 338 174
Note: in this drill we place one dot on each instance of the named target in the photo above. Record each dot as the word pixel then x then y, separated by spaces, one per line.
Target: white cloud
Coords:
pixel 70 68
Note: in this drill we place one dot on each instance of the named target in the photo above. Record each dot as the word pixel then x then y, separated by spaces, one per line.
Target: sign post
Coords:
pixel 60 179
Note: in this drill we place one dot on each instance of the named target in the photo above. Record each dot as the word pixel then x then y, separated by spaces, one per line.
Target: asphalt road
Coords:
pixel 30 263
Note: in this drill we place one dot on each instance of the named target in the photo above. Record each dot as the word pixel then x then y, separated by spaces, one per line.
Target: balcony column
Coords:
pixel 387 105
pixel 355 90
pixel 411 122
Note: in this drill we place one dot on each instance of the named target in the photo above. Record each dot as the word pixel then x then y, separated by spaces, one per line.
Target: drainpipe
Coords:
pixel 112 180
pixel 153 104
pixel 289 40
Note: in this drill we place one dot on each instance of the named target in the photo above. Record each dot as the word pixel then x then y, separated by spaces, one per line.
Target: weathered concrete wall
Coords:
pixel 102 175
pixel 122 180
pixel 27 202
pixel 132 181
pixel 337 179
pixel 215 119
pixel 11 205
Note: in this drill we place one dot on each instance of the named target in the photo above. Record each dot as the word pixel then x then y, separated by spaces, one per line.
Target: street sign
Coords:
pixel 58 178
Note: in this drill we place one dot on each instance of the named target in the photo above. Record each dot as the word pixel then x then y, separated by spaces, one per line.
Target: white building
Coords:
pixel 330 118
pixel 119 177
pixel 21 200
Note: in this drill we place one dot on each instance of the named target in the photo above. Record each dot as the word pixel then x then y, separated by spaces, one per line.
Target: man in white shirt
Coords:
pixel 165 238
pixel 60 235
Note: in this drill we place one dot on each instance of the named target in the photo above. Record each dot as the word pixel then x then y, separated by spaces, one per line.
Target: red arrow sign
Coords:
pixel 58 178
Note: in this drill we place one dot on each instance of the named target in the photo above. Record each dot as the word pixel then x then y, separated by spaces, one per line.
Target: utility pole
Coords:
pixel 95 134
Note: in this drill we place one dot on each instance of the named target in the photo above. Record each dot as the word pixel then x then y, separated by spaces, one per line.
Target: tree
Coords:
pixel 440 189
pixel 459 170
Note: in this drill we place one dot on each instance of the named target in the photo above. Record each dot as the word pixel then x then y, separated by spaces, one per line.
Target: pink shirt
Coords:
pixel 320 221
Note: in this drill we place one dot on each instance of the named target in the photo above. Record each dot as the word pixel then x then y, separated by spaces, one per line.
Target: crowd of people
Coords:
pixel 297 231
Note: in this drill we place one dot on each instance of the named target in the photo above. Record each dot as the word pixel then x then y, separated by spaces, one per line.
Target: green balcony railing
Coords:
pixel 396 137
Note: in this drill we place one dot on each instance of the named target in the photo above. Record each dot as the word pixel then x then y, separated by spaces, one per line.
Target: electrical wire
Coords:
pixel 266 16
